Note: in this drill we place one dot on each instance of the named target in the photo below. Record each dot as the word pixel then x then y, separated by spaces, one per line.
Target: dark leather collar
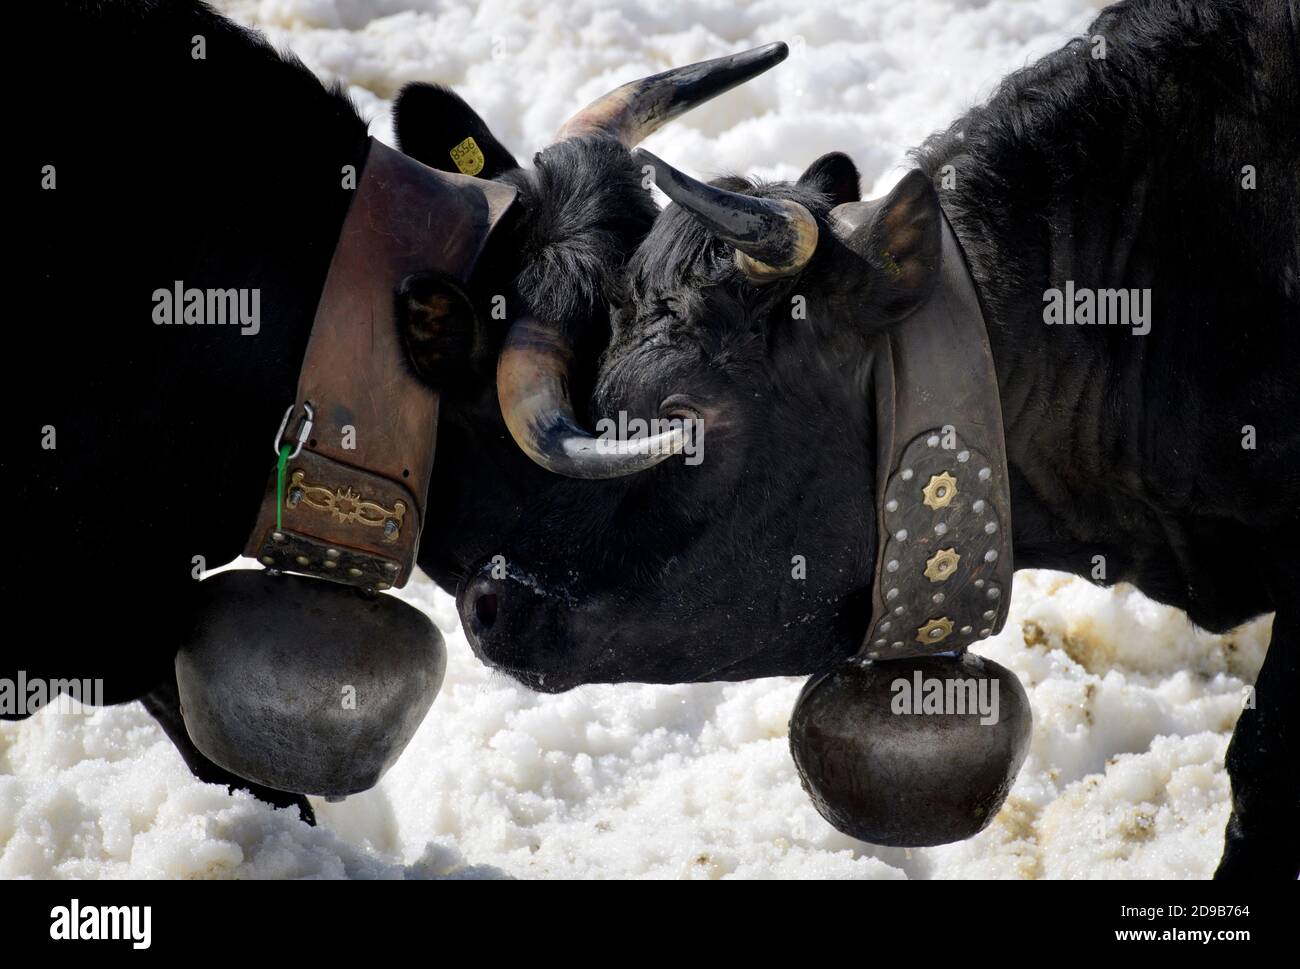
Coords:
pixel 355 490
pixel 943 502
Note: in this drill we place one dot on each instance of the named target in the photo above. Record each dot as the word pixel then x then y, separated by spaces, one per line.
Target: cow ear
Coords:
pixel 835 176
pixel 435 126
pixel 440 328
pixel 901 241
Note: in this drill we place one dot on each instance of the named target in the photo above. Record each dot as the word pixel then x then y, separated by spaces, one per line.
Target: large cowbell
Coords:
pixel 304 685
pixel 890 759
pixel 315 685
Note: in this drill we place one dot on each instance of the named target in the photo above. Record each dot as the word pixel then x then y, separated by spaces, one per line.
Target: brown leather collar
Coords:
pixel 943 500
pixel 355 489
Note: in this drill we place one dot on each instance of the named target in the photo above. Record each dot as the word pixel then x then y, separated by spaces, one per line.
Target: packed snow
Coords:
pixel 1133 706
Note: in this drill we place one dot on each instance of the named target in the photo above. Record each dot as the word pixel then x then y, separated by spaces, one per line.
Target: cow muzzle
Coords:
pixel 515 620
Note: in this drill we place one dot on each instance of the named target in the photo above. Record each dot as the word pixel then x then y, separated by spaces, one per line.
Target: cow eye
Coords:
pixel 680 407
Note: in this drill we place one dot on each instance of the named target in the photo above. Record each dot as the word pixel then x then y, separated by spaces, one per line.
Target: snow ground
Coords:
pixel 1133 707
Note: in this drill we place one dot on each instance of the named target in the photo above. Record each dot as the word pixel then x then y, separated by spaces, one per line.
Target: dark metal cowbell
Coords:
pixel 303 685
pixel 895 773
pixel 315 685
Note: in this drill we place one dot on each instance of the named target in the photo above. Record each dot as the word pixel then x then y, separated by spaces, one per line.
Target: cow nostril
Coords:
pixel 485 610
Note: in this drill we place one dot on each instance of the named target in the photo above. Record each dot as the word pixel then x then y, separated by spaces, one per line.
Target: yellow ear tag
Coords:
pixel 468 157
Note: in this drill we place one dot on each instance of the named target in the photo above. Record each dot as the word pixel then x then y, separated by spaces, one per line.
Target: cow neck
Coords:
pixel 943 505
pixel 362 428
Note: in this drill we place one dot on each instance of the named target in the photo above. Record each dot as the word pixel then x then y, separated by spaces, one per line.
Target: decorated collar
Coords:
pixel 944 568
pixel 348 501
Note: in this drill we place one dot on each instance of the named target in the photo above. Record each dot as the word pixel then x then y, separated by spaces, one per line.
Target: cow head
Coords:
pixel 739 540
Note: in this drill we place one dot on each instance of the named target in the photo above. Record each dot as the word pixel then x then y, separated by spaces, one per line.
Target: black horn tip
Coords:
pixel 732 69
pixel 773 53
pixel 634 111
pixel 776 236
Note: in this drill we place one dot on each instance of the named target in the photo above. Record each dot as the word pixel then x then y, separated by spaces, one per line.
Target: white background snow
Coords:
pixel 1133 707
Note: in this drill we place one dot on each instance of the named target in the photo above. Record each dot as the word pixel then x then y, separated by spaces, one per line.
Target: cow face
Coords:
pixel 740 543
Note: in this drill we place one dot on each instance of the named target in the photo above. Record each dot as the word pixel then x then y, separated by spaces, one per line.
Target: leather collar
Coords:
pixel 365 430
pixel 943 504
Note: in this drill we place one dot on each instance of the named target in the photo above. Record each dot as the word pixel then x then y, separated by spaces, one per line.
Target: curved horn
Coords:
pixel 630 113
pixel 772 237
pixel 536 358
pixel 533 389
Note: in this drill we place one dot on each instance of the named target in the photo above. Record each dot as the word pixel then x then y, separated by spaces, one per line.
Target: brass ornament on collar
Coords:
pixel 939 493
pixel 942 564
pixel 345 505
pixel 935 631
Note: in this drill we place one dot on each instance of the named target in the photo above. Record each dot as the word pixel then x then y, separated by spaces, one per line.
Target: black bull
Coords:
pixel 1168 167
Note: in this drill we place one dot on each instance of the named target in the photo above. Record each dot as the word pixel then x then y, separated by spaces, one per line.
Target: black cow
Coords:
pixel 174 148
pixel 1160 152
